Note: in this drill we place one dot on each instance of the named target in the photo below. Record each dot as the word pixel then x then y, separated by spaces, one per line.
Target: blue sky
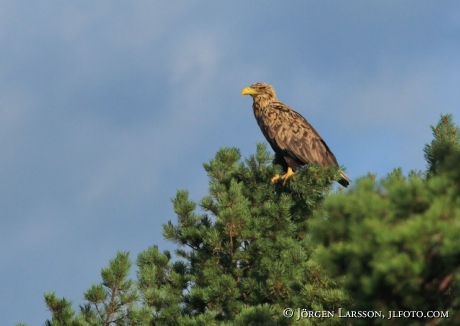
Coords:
pixel 108 107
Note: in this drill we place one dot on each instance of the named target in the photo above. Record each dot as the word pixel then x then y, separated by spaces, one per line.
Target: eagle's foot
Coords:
pixel 284 177
pixel 276 177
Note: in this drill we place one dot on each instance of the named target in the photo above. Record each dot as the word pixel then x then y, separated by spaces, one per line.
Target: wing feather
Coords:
pixel 289 133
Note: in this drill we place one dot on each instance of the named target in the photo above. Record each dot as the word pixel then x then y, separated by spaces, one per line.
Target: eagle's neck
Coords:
pixel 261 103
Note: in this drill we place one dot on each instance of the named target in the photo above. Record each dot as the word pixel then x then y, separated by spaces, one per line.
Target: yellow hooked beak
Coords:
pixel 248 91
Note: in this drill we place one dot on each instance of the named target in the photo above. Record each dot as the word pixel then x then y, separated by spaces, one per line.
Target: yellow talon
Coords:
pixel 284 177
pixel 276 177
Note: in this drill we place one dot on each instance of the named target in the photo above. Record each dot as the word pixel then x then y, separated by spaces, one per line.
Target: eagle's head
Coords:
pixel 260 92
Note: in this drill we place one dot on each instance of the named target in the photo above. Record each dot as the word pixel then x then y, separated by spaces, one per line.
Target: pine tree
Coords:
pixel 248 256
pixel 446 141
pixel 110 303
pixel 395 243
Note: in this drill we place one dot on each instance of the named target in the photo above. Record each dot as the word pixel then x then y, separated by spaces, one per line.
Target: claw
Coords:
pixel 276 177
pixel 284 177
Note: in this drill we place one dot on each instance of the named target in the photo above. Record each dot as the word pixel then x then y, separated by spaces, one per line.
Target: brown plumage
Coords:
pixel 293 139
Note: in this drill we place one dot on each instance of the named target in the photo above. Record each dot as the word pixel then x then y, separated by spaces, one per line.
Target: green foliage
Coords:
pixel 446 141
pixel 251 245
pixel 161 283
pixel 112 298
pixel 395 243
pixel 109 303
pixel 60 309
